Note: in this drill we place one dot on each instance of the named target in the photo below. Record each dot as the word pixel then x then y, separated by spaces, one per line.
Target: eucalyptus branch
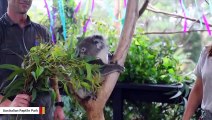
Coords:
pixel 174 32
pixel 175 15
pixel 143 8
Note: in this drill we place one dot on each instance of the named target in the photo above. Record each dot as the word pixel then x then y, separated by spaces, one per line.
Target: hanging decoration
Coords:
pixel 123 13
pixel 199 15
pixel 125 3
pixel 210 5
pixel 184 13
pixel 204 19
pixel 51 19
pixel 62 17
pixel 89 18
pixel 206 24
pixel 76 10
pixel 87 3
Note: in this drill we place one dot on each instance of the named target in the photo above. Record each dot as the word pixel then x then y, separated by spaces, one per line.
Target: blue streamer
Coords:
pixel 62 17
pixel 199 16
pixel 184 8
pixel 210 6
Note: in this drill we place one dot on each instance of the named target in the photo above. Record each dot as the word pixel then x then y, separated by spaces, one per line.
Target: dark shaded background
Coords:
pixel 3 7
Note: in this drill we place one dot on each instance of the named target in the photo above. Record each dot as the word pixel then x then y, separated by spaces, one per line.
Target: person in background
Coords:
pixel 17 35
pixel 201 91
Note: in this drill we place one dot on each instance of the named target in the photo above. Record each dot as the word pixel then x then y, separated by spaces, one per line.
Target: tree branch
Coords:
pixel 174 15
pixel 175 32
pixel 94 108
pixel 143 8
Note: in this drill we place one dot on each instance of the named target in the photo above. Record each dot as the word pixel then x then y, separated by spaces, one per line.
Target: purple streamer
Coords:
pixel 48 11
pixel 185 22
pixel 92 6
pixel 89 19
pixel 125 3
pixel 206 24
pixel 77 8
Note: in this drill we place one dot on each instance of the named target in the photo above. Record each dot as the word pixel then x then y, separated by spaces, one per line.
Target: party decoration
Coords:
pixel 199 16
pixel 76 10
pixel 89 18
pixel 210 5
pixel 125 3
pixel 206 24
pixel 62 17
pixel 51 19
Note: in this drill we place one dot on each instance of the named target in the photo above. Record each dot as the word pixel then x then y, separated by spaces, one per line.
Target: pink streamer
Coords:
pixel 206 24
pixel 185 23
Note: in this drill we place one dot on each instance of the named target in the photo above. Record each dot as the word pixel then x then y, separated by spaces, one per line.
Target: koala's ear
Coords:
pixel 97 37
pixel 79 38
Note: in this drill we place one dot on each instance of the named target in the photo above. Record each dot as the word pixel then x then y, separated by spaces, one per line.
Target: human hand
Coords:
pixel 59 113
pixel 21 100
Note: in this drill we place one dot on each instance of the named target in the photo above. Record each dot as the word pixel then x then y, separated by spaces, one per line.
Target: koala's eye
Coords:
pixel 83 49
pixel 96 41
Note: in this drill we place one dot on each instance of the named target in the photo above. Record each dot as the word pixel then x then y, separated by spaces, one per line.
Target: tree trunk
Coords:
pixel 94 108
pixel 3 7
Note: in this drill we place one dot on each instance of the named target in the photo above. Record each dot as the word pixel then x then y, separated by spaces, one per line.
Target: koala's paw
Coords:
pixel 110 68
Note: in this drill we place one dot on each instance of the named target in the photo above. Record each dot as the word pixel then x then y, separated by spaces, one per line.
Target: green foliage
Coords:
pixel 46 63
pixel 151 61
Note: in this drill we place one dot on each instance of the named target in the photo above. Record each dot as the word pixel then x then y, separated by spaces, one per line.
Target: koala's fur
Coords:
pixel 95 46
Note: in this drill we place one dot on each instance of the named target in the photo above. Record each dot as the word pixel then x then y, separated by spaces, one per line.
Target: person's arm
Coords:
pixel 21 100
pixel 194 99
pixel 58 113
pixel 6 103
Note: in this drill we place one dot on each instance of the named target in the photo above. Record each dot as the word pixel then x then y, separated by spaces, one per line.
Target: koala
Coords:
pixel 95 46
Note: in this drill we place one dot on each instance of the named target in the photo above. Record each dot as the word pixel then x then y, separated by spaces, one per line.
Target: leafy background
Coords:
pixel 153 58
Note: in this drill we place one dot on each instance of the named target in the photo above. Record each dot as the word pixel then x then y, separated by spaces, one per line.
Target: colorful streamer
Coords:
pixel 184 8
pixel 199 16
pixel 76 10
pixel 62 17
pixel 206 24
pixel 86 7
pixel 185 22
pixel 89 18
pixel 51 19
pixel 210 5
pixel 125 3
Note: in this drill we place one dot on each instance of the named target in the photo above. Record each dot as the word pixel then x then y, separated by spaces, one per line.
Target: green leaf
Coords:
pixel 66 89
pixel 15 73
pixel 53 95
pixel 13 88
pixel 39 71
pixel 34 75
pixel 86 85
pixel 88 69
pixel 34 94
pixel 10 67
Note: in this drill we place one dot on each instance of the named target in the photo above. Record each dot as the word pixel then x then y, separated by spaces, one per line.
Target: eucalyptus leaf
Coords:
pixel 10 67
pixel 34 94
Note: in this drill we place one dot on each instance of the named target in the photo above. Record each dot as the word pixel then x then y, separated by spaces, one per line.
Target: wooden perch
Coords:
pixel 94 108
